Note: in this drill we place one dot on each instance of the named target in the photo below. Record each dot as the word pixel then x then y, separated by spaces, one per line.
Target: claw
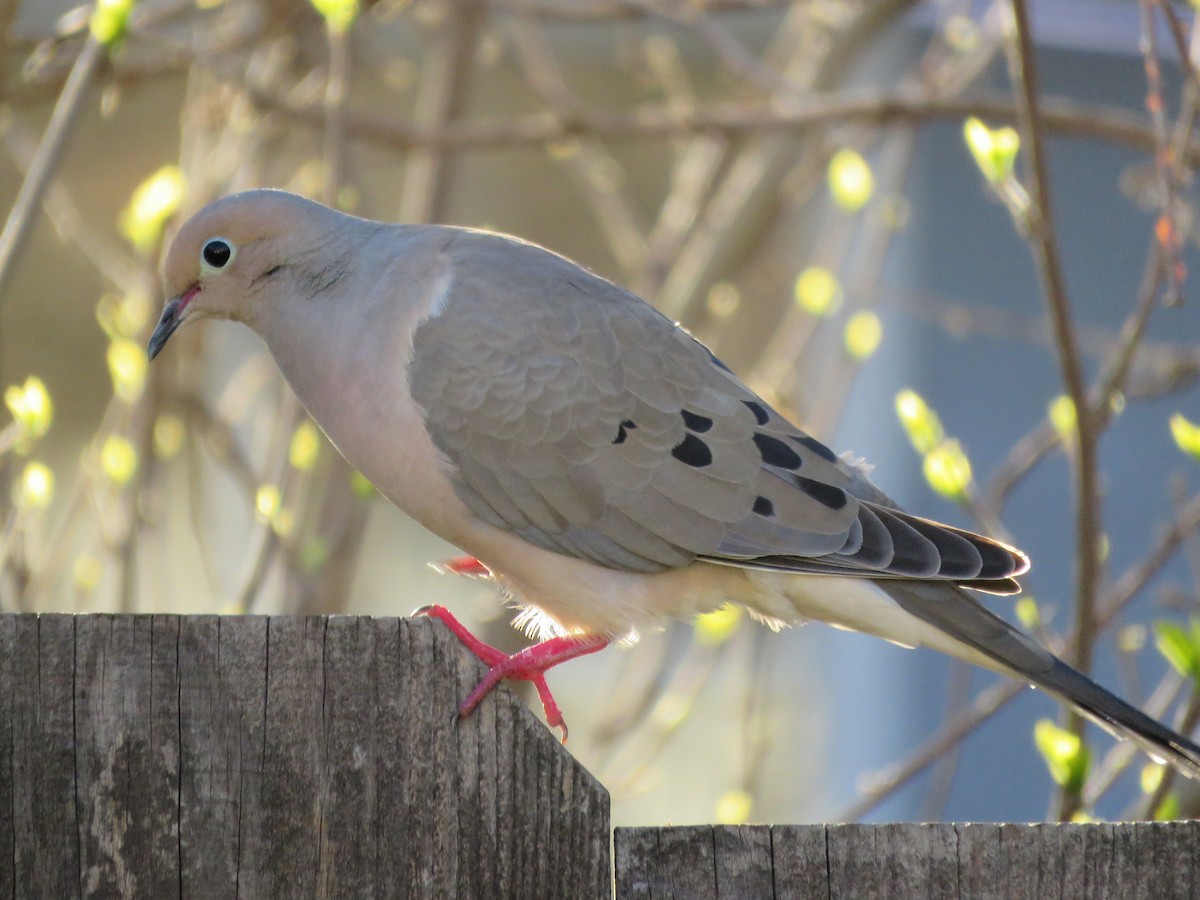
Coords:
pixel 529 664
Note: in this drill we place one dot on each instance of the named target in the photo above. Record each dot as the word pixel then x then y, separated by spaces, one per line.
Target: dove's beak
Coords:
pixel 172 317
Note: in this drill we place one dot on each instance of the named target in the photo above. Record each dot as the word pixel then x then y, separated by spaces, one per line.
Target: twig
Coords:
pixel 950 735
pixel 8 14
pixel 614 10
pixel 106 255
pixel 692 176
pixel 650 122
pixel 1181 43
pixel 958 695
pixel 265 541
pixel 746 185
pixel 687 682
pixel 590 163
pixel 1044 438
pixel 733 55
pixel 440 96
pixel 336 88
pixel 1044 243
pixel 862 260
pixel 629 705
pixel 1187 722
pixel 66 112
pixel 1167 231
pixel 756 718
pixel 1177 487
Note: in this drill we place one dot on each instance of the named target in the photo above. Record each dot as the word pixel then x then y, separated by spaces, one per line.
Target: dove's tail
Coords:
pixel 959 615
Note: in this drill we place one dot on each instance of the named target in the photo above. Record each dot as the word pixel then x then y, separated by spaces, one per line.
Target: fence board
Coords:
pixel 1159 860
pixel 46 852
pixel 196 756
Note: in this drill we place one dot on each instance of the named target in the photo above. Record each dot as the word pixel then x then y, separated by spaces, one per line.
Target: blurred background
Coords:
pixel 942 236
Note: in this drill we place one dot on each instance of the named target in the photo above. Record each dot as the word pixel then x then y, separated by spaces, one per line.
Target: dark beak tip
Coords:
pixel 167 324
pixel 157 341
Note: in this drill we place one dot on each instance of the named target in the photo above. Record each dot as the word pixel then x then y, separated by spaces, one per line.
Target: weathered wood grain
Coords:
pixel 197 756
pixel 1159 860
pixel 8 837
pixel 46 798
pixel 742 856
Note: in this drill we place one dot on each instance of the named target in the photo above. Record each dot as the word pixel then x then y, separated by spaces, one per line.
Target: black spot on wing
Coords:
pixel 815 446
pixel 761 416
pixel 623 430
pixel 693 452
pixel 775 452
pixel 696 422
pixel 825 494
pixel 763 506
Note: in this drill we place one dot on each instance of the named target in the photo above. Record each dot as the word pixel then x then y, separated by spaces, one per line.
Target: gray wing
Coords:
pixel 581 419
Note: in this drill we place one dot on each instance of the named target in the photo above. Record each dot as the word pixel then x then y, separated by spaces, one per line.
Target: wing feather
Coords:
pixel 576 416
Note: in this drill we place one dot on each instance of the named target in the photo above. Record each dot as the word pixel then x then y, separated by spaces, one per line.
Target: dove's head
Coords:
pixel 238 257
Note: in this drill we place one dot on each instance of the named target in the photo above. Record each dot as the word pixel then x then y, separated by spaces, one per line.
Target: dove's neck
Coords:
pixel 346 356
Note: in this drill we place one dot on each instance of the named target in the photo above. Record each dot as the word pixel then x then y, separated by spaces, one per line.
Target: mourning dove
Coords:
pixel 603 466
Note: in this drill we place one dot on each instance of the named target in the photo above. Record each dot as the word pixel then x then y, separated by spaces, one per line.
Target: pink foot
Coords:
pixel 529 664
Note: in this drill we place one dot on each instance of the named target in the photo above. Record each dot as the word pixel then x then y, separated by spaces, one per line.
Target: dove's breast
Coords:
pixel 330 349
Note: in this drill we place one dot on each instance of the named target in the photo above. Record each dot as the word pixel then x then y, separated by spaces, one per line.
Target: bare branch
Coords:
pixel 58 130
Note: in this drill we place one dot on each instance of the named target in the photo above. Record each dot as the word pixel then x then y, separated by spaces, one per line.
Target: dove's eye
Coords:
pixel 217 253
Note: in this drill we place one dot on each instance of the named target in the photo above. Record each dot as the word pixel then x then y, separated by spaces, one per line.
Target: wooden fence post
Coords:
pixel 204 756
